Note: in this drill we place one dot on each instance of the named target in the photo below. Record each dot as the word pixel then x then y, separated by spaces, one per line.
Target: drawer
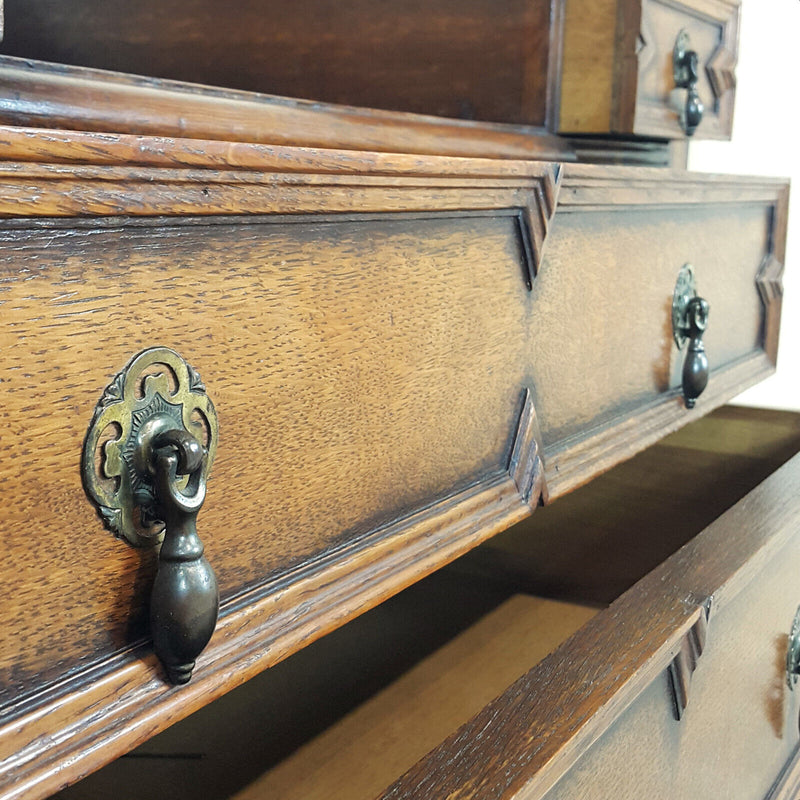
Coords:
pixel 618 71
pixel 406 355
pixel 678 687
pixel 400 55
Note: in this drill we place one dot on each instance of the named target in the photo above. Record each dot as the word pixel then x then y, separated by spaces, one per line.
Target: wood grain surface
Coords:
pixel 342 402
pixel 474 59
pixel 378 363
pixel 54 96
pixel 740 723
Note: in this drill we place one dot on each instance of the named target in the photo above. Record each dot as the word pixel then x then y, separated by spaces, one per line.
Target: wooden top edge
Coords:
pixel 30 148
pixel 663 175
pixel 40 94
pixel 43 146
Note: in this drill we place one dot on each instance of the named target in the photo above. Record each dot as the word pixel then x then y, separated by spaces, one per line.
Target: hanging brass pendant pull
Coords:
pixel 689 321
pixel 146 459
pixel 686 72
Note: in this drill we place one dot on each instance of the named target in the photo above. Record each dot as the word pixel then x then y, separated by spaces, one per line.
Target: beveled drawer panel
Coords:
pixel 618 74
pixel 740 724
pixel 391 342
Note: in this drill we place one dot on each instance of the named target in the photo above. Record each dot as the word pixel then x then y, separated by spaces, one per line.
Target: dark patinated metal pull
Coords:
pixel 146 459
pixel 685 67
pixel 185 600
pixel 689 321
pixel 793 653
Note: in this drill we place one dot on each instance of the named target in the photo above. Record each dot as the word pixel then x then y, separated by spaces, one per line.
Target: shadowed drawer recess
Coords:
pixel 406 355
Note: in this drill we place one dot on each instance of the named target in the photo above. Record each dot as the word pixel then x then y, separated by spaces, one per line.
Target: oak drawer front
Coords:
pixel 377 334
pixel 626 48
pixel 603 360
pixel 740 724
pixel 678 689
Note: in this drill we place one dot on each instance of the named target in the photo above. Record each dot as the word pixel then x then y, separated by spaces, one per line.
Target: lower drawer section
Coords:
pixel 740 722
pixel 677 689
pixel 406 355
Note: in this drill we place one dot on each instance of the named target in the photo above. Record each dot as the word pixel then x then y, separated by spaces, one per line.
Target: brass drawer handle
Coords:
pixel 689 321
pixel 793 652
pixel 686 73
pixel 146 459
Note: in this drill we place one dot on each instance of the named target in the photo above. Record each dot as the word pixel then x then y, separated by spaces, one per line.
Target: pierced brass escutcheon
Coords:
pixel 146 458
pixel 793 652
pixel 157 391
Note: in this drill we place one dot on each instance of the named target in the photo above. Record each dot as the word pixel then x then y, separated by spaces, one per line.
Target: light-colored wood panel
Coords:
pixel 369 747
pixel 634 264
pixel 373 745
pixel 587 66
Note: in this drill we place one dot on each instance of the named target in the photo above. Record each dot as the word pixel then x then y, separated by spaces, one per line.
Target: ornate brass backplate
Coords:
pixel 685 290
pixel 157 391
pixel 793 652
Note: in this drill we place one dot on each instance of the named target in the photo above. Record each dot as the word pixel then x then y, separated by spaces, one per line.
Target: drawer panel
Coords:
pixel 345 403
pixel 378 334
pixel 741 722
pixel 678 689
pixel 618 72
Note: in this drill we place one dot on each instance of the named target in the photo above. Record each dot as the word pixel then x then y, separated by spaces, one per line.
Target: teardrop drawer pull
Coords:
pixel 146 459
pixel 689 321
pixel 686 72
pixel 793 652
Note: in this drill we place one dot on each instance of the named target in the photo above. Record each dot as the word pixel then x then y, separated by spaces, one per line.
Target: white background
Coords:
pixel 766 141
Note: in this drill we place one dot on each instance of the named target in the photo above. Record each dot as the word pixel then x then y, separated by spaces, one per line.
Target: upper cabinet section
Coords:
pixel 569 66
pixel 656 68
pixel 485 60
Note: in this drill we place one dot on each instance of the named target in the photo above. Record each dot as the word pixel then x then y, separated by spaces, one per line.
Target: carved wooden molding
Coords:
pixel 525 464
pixel 770 279
pixel 684 664
pixel 538 215
pixel 722 70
